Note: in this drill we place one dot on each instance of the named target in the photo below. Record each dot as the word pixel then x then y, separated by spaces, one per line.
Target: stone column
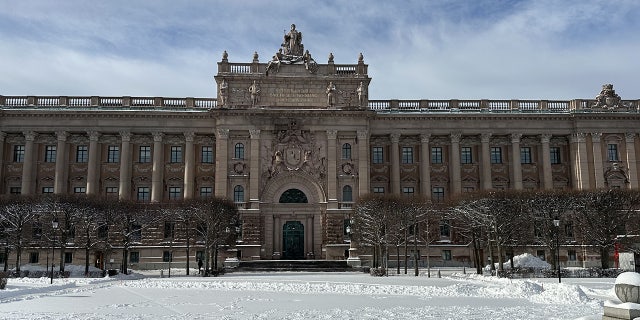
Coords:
pixel 94 161
pixel 598 165
pixel 254 169
pixel 395 163
pixel 454 173
pixel 363 163
pixel 157 175
pixel 2 137
pixel 579 161
pixel 425 166
pixel 516 162
pixel 124 188
pixel 29 162
pixel 485 174
pixel 547 173
pixel 630 138
pixel 331 169
pixel 222 156
pixel 189 165
pixel 60 185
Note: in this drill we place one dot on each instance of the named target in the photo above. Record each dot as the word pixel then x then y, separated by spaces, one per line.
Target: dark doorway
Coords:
pixel 99 260
pixel 293 240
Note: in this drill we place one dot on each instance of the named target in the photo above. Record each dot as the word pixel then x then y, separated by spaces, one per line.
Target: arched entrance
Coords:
pixel 292 207
pixel 293 240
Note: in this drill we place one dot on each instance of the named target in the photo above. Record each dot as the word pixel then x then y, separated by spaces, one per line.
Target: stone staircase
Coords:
pixel 295 265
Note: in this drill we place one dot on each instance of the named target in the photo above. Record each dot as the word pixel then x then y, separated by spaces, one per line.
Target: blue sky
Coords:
pixel 416 49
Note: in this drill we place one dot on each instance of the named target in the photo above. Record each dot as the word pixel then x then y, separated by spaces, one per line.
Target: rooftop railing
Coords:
pixel 381 106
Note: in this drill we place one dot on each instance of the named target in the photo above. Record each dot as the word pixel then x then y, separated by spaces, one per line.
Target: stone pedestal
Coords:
pixel 619 311
pixel 628 291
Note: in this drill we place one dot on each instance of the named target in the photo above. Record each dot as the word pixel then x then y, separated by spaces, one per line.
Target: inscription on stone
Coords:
pixel 295 95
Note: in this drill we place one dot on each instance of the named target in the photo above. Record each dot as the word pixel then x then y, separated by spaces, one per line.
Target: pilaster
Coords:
pixel 632 165
pixel 485 140
pixel 157 174
pixel 516 162
pixel 598 165
pixel 189 165
pixel 124 188
pixel 395 163
pixel 425 166
pixel 363 163
pixel 254 169
pixel 92 167
pixel 456 182
pixel 60 185
pixel 222 157
pixel 331 169
pixel 547 173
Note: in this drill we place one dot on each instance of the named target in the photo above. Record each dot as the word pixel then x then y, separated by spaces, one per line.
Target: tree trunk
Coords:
pixel 476 253
pixel 397 259
pixel 406 262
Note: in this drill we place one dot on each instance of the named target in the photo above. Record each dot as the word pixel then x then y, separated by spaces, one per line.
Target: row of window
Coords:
pixel 113 154
pixel 466 155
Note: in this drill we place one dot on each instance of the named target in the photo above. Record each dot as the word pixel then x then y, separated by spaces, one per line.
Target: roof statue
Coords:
pixel 292 52
pixel 608 98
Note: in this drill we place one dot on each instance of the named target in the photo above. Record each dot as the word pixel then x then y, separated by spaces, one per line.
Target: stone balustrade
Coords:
pixel 423 106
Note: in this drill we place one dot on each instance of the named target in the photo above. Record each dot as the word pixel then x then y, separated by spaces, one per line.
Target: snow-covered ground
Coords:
pixel 291 295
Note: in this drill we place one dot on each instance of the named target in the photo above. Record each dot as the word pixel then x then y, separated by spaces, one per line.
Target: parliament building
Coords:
pixel 295 142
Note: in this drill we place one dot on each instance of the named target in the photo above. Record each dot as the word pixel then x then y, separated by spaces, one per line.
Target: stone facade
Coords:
pixel 295 143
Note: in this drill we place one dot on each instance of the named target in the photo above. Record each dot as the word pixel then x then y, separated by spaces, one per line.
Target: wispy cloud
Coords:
pixel 415 49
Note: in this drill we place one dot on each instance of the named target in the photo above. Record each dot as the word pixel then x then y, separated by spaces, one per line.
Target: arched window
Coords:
pixel 346 151
pixel 293 196
pixel 347 194
pixel 239 151
pixel 238 194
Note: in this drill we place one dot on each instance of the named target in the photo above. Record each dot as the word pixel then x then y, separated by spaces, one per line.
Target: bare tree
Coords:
pixel 608 217
pixel 216 220
pixel 17 214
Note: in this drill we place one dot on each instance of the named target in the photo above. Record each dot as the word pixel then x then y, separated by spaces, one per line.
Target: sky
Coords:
pixel 415 49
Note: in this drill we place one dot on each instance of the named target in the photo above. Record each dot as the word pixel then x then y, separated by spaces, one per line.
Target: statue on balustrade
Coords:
pixel 254 90
pixel 331 91
pixel 224 92
pixel 293 42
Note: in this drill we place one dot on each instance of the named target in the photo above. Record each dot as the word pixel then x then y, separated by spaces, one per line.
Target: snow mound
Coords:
pixel 74 270
pixel 630 278
pixel 524 260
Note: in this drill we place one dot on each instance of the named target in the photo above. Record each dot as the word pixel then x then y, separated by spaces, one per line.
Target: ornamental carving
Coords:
pixel 294 149
pixel 608 98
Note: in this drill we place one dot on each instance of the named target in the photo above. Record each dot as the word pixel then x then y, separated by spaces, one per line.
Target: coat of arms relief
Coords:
pixel 295 150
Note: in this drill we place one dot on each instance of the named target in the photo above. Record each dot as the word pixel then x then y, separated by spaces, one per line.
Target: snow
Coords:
pixel 298 295
pixel 524 260
pixel 631 278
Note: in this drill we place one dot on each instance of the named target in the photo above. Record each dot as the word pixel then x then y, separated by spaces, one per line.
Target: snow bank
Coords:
pixel 524 260
pixel 74 270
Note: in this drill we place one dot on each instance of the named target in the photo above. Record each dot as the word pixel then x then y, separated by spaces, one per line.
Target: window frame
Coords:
pixel 238 151
pixel 525 155
pixel 346 151
pixel 82 154
pixel 206 154
pixel 496 155
pixel 113 154
pixel 466 155
pixel 554 155
pixel 50 152
pixel 437 155
pixel 407 155
pixel 377 155
pixel 144 154
pixel 18 153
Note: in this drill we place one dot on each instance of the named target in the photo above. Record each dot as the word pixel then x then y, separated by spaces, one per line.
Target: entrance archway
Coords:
pixel 293 240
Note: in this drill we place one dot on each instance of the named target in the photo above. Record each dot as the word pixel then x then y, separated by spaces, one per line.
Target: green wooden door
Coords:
pixel 293 240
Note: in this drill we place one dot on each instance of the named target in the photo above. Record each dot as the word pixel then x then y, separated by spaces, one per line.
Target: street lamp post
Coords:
pixel 54 225
pixel 556 223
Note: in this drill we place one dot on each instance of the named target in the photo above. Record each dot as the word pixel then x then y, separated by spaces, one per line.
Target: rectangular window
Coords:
pixel 144 194
pixel 206 192
pixel 407 155
pixel 568 230
pixel 3 257
pixel 378 189
pixel 144 154
pixel 50 154
pixel 33 257
pixel 571 254
pixel 79 190
pixel 134 257
pixel 36 231
pixel 346 151
pixel 525 155
pixel 68 257
pixel 541 255
pixel 468 189
pixel 555 155
pixel 446 255
pixel 207 154
pixel 15 190
pixel 496 155
pixel 47 189
pixel 136 232
pixel 175 193
pixel 18 153
pixel 436 155
pixel 169 228
pixel 82 154
pixel 445 229
pixel 103 231
pixel 465 155
pixel 612 152
pixel 167 256
pixel 377 155
pixel 437 194
pixel 112 191
pixel 113 154
pixel 176 154
pixel 407 191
